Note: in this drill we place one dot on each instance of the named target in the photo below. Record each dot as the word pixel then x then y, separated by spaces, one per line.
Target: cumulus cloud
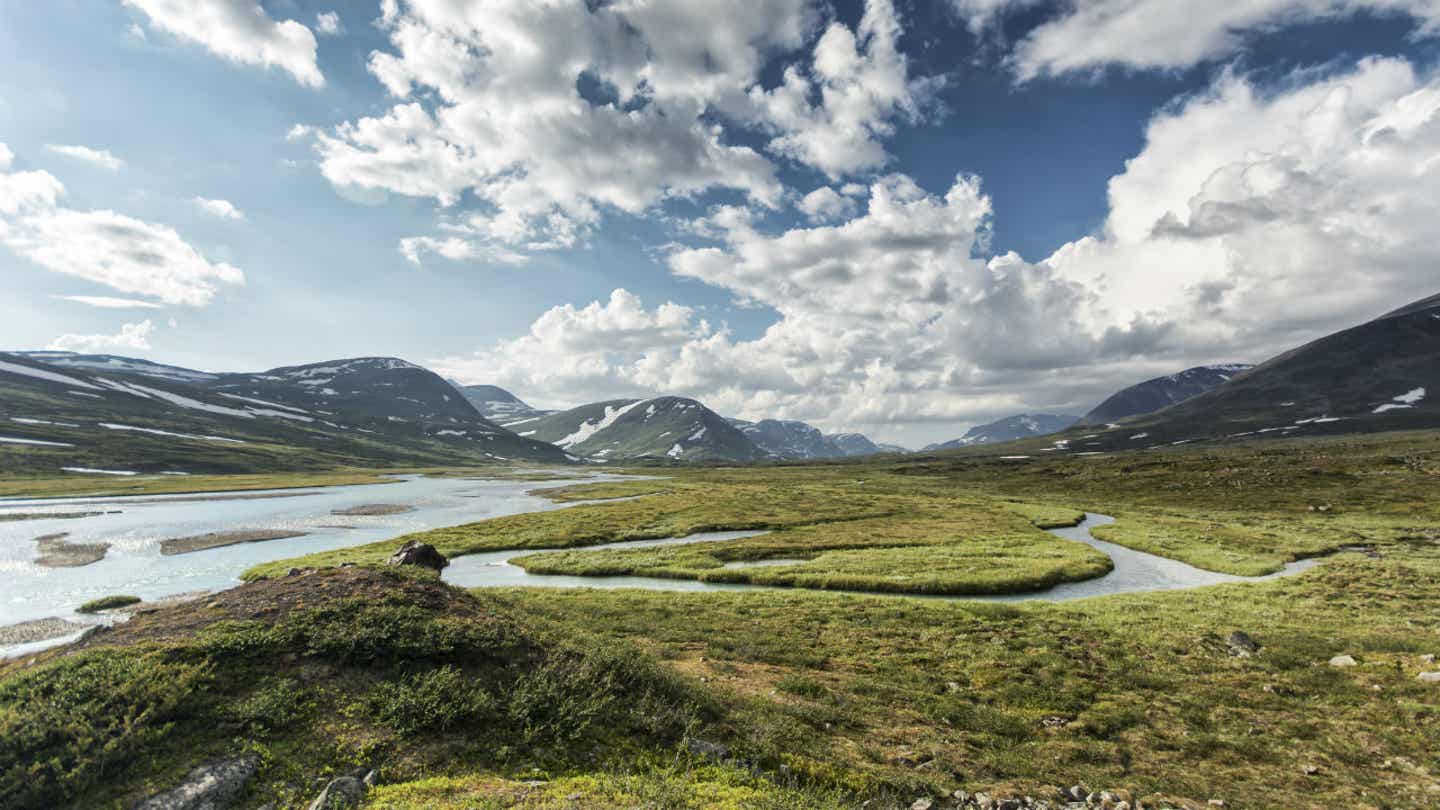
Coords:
pixel 1244 201
pixel 133 337
pixel 223 209
pixel 574 354
pixel 240 31
pixel 836 116
pixel 98 157
pixel 328 23
pixel 1164 34
pixel 540 118
pixel 108 302
pixel 824 204
pixel 106 247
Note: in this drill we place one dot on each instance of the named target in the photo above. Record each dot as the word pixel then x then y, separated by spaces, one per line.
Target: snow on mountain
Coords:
pixel 1020 426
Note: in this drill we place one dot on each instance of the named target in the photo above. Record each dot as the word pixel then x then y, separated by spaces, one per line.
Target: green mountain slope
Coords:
pixel 133 416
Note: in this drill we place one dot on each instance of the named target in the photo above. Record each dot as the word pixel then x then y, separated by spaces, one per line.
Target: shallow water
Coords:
pixel 134 564
pixel 1134 571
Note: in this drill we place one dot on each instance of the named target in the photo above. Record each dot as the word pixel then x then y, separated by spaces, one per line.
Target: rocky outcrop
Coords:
pixel 212 786
pixel 346 791
pixel 421 554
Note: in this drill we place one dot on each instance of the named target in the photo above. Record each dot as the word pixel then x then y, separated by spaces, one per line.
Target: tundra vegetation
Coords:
pixel 803 697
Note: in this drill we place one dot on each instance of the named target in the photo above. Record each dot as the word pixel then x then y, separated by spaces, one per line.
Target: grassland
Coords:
pixel 590 698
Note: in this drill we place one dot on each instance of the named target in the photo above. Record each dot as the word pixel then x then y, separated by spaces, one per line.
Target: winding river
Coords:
pixel 1134 571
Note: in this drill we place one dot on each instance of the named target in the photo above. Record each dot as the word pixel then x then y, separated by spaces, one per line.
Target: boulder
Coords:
pixel 1344 661
pixel 212 786
pixel 708 750
pixel 923 804
pixel 421 554
pixel 1241 644
pixel 347 791
pixel 1430 677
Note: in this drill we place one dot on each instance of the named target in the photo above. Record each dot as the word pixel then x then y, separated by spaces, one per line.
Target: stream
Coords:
pixel 1134 571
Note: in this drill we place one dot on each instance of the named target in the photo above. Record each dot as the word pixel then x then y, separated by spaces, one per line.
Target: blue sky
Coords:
pixel 1125 192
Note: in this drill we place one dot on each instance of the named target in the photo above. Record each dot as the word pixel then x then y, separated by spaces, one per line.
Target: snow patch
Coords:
pixel 93 471
pixel 48 376
pixel 134 428
pixel 18 440
pixel 1406 400
pixel 588 428
pixel 675 451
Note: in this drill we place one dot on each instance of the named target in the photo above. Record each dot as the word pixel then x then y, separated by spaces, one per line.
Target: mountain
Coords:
pixel 1021 426
pixel 127 415
pixel 1161 392
pixel 1380 375
pixel 630 429
pixel 795 440
pixel 498 405
pixel 788 438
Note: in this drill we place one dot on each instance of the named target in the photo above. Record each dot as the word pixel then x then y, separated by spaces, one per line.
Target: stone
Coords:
pixel 1311 770
pixel 417 553
pixel 1429 677
pixel 346 791
pixel 1241 644
pixel 709 750
pixel 1427 658
pixel 1343 661
pixel 371 777
pixel 212 786
pixel 923 804
pixel 1077 793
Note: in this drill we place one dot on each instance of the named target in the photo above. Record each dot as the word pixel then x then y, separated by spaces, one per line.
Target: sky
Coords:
pixel 891 216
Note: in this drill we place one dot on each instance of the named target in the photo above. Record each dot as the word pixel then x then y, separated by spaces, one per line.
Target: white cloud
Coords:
pixel 577 354
pixel 824 204
pixel 328 24
pixel 1254 219
pixel 1244 202
pixel 99 157
pixel 540 118
pixel 1164 34
pixel 456 249
pixel 223 209
pixel 241 31
pixel 131 337
pixel 860 84
pixel 107 302
pixel 121 252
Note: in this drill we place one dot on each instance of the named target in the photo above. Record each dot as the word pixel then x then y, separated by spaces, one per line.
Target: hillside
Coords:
pixel 660 428
pixel 1379 376
pixel 1020 426
pixel 1161 392
pixel 121 416
pixel 497 404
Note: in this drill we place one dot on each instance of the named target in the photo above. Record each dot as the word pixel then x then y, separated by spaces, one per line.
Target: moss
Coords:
pixel 108 603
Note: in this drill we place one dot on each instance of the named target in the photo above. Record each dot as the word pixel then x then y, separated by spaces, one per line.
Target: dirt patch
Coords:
pixel 38 630
pixel 272 599
pixel 200 542
pixel 371 509
pixel 57 552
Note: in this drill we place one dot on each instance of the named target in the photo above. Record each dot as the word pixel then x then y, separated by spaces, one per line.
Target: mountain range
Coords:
pixel 120 415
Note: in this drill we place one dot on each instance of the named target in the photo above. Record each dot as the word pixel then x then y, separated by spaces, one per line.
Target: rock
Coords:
pixel 211 786
pixel 1343 661
pixel 371 777
pixel 1311 770
pixel 1242 645
pixel 422 554
pixel 709 750
pixel 1428 658
pixel 923 804
pixel 347 791
pixel 1429 677
pixel 1077 793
